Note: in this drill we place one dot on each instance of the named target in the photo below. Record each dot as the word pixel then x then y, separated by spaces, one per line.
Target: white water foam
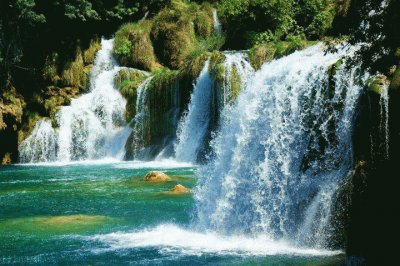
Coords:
pixel 173 239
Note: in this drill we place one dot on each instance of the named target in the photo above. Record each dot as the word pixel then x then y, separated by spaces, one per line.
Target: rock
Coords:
pixel 377 84
pixel 179 189
pixel 156 176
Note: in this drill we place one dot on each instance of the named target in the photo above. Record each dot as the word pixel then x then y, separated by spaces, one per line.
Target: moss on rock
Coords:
pixel 128 81
pixel 173 34
pixel 377 83
pixel 133 47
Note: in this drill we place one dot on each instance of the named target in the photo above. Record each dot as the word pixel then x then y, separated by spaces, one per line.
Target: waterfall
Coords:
pixel 384 119
pixel 217 24
pixel 236 66
pixel 195 123
pixel 282 151
pixel 141 117
pixel 92 127
pixel 40 144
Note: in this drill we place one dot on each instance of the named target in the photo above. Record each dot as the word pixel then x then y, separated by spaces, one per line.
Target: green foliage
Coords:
pixel 123 9
pixel 133 47
pixel 80 9
pixel 320 24
pixel 253 22
pixel 26 12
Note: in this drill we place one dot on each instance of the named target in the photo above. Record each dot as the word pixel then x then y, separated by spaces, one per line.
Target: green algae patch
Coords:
pixel 55 224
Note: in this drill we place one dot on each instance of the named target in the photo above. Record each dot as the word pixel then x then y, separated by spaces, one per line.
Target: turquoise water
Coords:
pixel 105 214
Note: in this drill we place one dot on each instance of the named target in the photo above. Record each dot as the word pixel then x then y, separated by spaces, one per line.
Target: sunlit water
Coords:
pixel 101 212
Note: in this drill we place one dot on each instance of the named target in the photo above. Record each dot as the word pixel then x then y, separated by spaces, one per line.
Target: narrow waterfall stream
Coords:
pixel 92 127
pixel 141 116
pixel 384 117
pixel 195 123
pixel 217 23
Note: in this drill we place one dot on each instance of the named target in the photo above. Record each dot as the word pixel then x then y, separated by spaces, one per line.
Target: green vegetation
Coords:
pixel 177 34
pixel 11 107
pixel 268 51
pixel 251 22
pixel 377 83
pixel 133 47
pixel 127 82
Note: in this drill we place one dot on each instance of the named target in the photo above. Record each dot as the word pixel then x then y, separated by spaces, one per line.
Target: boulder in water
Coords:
pixel 156 176
pixel 179 189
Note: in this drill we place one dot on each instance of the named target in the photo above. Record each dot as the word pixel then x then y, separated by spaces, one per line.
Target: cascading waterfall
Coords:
pixel 236 66
pixel 384 119
pixel 141 116
pixel 282 151
pixel 195 123
pixel 92 127
pixel 40 144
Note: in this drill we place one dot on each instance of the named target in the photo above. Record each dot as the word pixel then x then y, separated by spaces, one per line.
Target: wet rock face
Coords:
pixel 156 176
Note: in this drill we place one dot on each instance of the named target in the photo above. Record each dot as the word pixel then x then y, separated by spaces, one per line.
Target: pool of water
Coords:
pixel 103 213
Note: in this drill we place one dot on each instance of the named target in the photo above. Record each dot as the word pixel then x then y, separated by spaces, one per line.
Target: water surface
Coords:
pixel 104 213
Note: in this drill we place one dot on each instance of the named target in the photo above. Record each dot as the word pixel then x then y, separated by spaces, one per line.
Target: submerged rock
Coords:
pixel 69 219
pixel 179 189
pixel 156 176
